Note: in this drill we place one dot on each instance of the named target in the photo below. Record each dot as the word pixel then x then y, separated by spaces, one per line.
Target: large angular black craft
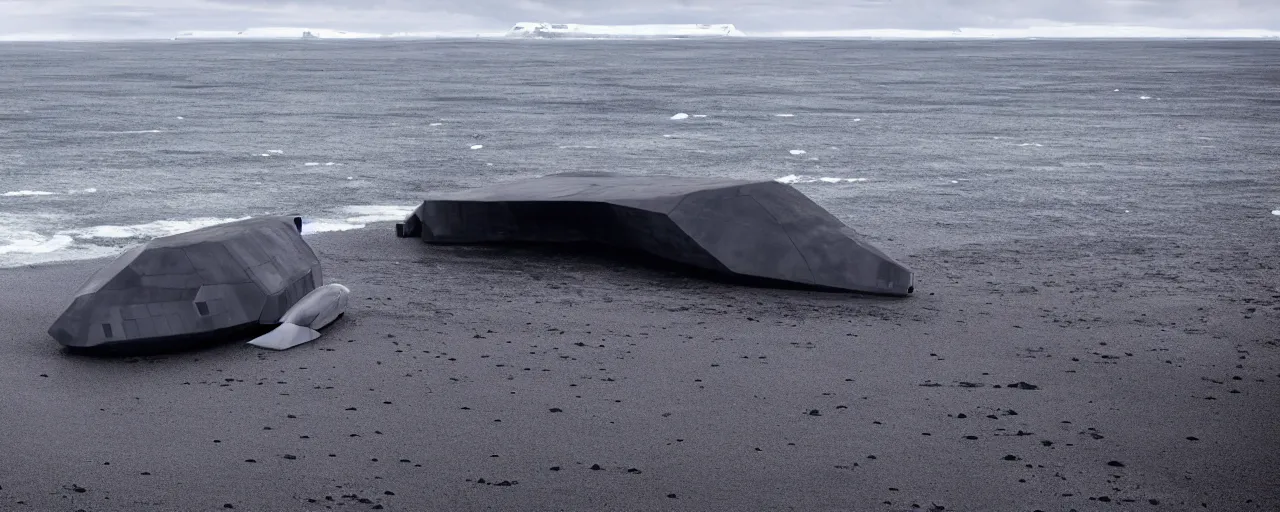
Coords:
pixel 203 282
pixel 759 230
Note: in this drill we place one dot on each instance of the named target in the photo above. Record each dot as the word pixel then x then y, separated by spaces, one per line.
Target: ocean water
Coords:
pixel 103 145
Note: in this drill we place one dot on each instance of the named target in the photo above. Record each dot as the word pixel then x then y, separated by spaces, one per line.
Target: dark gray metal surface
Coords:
pixel 212 279
pixel 761 230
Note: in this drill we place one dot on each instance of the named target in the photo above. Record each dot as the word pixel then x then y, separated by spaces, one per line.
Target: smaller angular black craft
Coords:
pixel 201 283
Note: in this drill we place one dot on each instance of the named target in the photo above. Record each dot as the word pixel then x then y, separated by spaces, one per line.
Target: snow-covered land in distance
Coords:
pixel 319 33
pixel 574 31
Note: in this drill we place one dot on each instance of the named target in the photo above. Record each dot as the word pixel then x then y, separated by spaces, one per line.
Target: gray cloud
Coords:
pixel 166 17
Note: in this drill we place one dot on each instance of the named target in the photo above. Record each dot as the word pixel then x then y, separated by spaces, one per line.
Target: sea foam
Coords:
pixel 148 230
pixel 792 179
pixel 27 193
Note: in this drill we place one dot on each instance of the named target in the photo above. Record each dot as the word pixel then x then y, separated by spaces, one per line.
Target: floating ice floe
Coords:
pixel 797 151
pixel 27 193
pixel 680 116
pixel 1275 212
pixel 478 146
pixel 792 179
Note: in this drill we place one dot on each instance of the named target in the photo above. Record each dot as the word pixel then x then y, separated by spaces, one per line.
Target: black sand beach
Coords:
pixel 1100 370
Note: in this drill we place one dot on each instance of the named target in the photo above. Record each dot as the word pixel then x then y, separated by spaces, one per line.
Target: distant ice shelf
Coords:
pixel 276 33
pixel 320 33
pixel 537 30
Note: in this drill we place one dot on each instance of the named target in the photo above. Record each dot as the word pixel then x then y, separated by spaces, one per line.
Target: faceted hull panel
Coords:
pixel 204 281
pixel 762 230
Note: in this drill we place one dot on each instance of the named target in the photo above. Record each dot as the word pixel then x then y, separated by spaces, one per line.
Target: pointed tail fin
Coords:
pixel 285 336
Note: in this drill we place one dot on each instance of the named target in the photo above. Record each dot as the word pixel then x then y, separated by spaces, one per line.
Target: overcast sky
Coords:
pixel 166 17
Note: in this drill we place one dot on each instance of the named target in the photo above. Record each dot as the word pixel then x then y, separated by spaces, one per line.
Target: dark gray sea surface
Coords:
pixel 915 144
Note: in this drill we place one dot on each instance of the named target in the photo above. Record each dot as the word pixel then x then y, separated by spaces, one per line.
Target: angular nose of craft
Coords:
pixel 68 329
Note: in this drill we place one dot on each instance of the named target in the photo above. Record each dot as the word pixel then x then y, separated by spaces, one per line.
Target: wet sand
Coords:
pixel 1092 371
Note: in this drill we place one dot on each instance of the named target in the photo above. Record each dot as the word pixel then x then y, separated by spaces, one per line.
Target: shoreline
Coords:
pixel 466 378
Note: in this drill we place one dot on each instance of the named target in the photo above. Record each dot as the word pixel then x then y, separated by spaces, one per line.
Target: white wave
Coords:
pixel 1275 212
pixel 33 243
pixel 579 147
pixel 784 115
pixel 27 193
pixel 325 226
pixel 478 146
pixel 365 214
pixel 699 115
pixel 792 179
pixel 680 116
pixel 435 124
pixel 89 190
pixel 1026 144
pixel 311 164
pixel 148 230
pixel 1144 97
pixel 857 120
pixel 327 164
pixel 137 131
pixel 798 151
pixel 276 151
pixel 180 117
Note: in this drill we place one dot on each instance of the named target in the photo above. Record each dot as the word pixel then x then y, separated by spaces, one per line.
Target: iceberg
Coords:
pixel 535 30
